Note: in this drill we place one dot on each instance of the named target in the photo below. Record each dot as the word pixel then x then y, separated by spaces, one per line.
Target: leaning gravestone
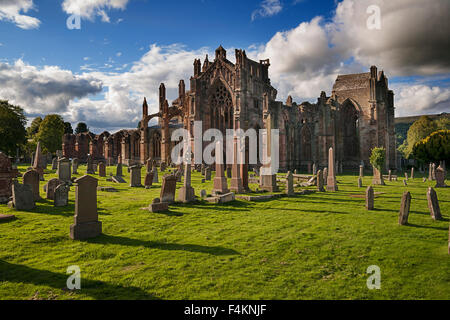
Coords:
pixel 440 178
pixel 22 194
pixel 148 180
pixel 118 179
pixel 186 193
pixel 86 224
pixel 404 208
pixel 31 177
pixel 135 176
pixel 62 195
pixel 370 198
pixel 102 169
pixel 51 187
pixel 433 204
pixel 168 188
pixel 64 173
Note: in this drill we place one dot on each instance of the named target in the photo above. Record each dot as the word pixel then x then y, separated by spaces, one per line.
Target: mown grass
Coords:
pixel 316 246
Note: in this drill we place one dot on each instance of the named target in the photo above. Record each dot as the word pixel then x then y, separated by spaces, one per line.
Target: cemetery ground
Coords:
pixel 315 246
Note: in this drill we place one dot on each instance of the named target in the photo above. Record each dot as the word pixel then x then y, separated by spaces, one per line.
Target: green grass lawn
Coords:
pixel 315 246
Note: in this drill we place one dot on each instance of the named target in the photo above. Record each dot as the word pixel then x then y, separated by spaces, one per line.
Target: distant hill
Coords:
pixel 414 118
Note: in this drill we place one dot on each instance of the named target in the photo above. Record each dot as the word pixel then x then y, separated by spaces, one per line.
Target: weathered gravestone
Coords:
pixel 149 165
pixel 135 176
pixel 207 174
pixel 361 171
pixel 168 188
pixel 101 169
pixel 360 184
pixel 404 208
pixel 23 199
pixel 31 177
pixel 290 184
pixel 433 204
pixel 62 195
pixel 331 179
pixel 50 188
pixel 89 165
pixel 412 173
pixel 86 224
pixel 158 206
pixel 75 163
pixel 38 162
pixel 54 164
pixel 186 193
pixel 148 180
pixel 119 170
pixel 377 177
pixel 6 176
pixel 319 181
pixel 64 173
pixel 155 175
pixel 118 179
pixel 325 176
pixel 440 178
pixel 433 171
pixel 370 198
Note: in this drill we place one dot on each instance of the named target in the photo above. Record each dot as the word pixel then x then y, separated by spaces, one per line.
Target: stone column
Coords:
pixel 220 182
pixel 236 181
pixel 331 179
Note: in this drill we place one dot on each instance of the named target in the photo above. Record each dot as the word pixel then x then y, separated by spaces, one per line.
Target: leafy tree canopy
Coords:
pixel 50 133
pixel 378 158
pixel 81 127
pixel 12 127
pixel 68 128
pixel 434 148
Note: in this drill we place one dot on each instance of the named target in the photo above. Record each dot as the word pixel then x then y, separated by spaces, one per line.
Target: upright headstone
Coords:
pixel 412 173
pixel 331 179
pixel 119 170
pixel 377 177
pixel 404 208
pixel 361 171
pixel 370 198
pixel 440 178
pixel 75 163
pixel 64 173
pixel 62 195
pixel 186 193
pixel 325 176
pixel 23 198
pixel 86 224
pixel 430 172
pixel 207 174
pixel 6 178
pixel 314 169
pixel 89 165
pixel 101 169
pixel 155 175
pixel 31 177
pixel 38 163
pixel 433 204
pixel 290 184
pixel 220 181
pixel 360 184
pixel 135 176
pixel 433 171
pixel 50 188
pixel 168 188
pixel 320 187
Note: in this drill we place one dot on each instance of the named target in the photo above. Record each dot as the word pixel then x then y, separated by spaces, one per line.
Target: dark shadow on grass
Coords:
pixel 426 227
pixel 96 289
pixel 217 251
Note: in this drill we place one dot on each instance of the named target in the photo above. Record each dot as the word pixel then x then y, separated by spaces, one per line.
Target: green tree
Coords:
pixel 33 129
pixel 12 128
pixel 68 128
pixel 434 148
pixel 419 130
pixel 378 158
pixel 81 127
pixel 50 133
pixel 443 123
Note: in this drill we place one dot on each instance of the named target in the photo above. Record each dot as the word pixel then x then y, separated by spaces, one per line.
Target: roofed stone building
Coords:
pixel 358 116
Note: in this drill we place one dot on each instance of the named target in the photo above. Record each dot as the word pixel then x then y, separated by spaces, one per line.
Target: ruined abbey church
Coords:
pixel 358 116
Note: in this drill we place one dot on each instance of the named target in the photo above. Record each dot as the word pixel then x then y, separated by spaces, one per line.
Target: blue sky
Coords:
pixel 100 73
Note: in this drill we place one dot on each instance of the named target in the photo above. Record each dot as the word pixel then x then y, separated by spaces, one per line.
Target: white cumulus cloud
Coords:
pixel 267 8
pixel 89 9
pixel 11 10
